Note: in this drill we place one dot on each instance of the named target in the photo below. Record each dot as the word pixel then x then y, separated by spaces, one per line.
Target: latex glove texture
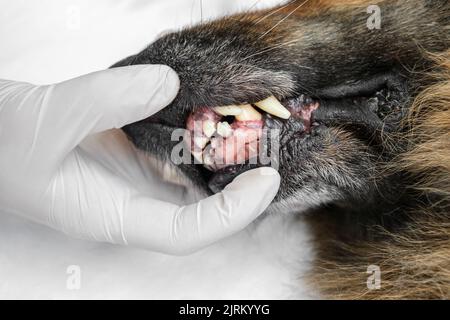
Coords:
pixel 62 166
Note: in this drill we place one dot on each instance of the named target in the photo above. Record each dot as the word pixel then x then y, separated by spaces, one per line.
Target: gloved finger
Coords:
pixel 138 169
pixel 179 230
pixel 54 119
pixel 115 97
pixel 88 199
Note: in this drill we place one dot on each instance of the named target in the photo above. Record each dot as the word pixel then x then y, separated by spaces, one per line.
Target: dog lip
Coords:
pixel 221 178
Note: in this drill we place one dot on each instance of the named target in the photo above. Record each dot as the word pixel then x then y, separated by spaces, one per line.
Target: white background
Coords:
pixel 52 40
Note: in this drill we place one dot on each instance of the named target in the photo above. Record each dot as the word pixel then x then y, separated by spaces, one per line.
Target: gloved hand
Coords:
pixel 62 167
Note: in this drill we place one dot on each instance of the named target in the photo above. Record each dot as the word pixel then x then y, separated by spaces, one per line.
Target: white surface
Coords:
pixel 43 42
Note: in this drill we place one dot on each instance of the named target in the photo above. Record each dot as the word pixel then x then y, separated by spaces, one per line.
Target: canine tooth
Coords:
pixel 209 127
pixel 273 106
pixel 224 129
pixel 228 110
pixel 201 142
pixel 248 114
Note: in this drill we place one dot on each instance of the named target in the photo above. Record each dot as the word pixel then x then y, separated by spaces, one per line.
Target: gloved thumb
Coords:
pixel 56 118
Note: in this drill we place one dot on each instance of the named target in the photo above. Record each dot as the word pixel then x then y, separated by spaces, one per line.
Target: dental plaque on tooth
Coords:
pixel 229 135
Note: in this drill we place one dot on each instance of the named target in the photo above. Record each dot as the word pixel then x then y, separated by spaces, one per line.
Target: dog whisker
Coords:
pixel 284 19
pixel 272 12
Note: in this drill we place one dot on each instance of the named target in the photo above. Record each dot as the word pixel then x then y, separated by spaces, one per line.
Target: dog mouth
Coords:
pixel 222 141
pixel 226 141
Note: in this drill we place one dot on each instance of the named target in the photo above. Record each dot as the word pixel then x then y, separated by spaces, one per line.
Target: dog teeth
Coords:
pixel 228 111
pixel 248 114
pixel 224 129
pixel 273 106
pixel 209 127
pixel 201 142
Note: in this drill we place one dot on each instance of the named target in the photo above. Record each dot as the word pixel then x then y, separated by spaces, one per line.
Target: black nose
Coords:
pixel 347 112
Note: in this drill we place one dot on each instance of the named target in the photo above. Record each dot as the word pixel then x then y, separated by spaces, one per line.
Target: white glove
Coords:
pixel 58 167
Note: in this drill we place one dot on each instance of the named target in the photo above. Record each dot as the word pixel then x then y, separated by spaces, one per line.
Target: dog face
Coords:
pixel 346 86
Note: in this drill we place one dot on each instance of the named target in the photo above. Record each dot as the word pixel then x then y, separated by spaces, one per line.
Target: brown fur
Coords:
pixel 316 7
pixel 414 261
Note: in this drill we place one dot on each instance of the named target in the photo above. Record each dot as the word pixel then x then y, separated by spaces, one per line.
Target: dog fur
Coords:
pixel 374 184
